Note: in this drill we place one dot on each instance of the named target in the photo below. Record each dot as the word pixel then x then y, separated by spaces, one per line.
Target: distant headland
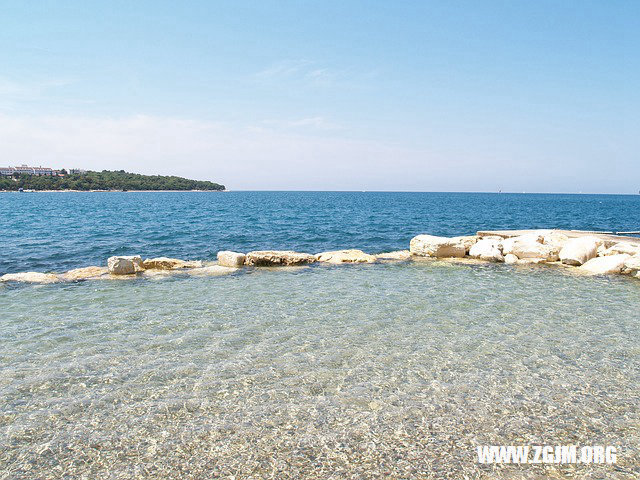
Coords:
pixel 25 178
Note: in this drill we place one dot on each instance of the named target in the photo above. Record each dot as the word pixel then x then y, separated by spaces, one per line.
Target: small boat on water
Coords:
pixel 21 190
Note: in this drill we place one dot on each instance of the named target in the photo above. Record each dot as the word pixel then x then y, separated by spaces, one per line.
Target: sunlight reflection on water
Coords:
pixel 394 370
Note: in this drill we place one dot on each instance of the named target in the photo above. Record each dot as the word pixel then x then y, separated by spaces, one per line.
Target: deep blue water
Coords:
pixel 60 231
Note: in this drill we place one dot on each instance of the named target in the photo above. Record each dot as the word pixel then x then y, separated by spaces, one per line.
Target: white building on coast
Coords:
pixel 25 169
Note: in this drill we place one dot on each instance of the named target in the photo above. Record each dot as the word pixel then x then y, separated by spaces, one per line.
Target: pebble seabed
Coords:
pixel 378 370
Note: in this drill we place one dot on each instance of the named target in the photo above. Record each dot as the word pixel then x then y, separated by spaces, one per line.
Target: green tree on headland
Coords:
pixel 105 180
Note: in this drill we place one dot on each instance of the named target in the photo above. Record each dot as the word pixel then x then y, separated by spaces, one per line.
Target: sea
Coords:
pixel 391 370
pixel 58 231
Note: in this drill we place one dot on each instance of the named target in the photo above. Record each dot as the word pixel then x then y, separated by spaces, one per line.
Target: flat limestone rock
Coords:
pixel 211 271
pixel 531 261
pixel 557 239
pixel 84 273
pixel 579 250
pixel 157 273
pixel 164 263
pixel 231 259
pixel 278 258
pixel 345 256
pixel 439 247
pixel 609 265
pixel 125 265
pixel 30 277
pixel 623 247
pixel 398 255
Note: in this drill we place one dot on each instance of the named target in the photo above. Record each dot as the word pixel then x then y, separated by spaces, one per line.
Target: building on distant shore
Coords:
pixel 25 169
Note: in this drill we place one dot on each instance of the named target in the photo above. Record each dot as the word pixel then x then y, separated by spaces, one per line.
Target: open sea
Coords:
pixel 62 230
pixel 391 370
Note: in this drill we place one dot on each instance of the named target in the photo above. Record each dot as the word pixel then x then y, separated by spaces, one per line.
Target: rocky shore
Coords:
pixel 585 252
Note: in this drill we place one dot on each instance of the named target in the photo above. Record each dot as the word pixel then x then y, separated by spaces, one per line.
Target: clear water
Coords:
pixel 373 371
pixel 60 231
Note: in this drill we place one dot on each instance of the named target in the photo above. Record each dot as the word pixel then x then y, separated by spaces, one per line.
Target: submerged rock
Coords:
pixel 30 277
pixel 231 259
pixel 579 250
pixel 531 261
pixel 432 246
pixel 156 273
pixel 125 265
pixel 397 255
pixel 277 258
pixel 84 273
pixel 164 263
pixel 345 256
pixel 487 249
pixel 212 270
pixel 608 265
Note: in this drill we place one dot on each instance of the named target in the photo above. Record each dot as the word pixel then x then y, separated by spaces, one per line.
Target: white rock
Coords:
pixel 530 246
pixel 227 258
pixel 164 263
pixel 579 250
pixel 84 273
pixel 125 265
pixel 623 247
pixel 487 249
pixel 508 243
pixel 345 256
pixel 610 264
pixel 158 273
pixel 432 246
pixel 30 277
pixel 632 266
pixel 510 258
pixel 397 255
pixel 556 239
pixel 531 261
pixel 277 258
pixel 467 240
pixel 211 271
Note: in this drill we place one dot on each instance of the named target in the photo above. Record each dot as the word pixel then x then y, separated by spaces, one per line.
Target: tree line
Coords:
pixel 105 180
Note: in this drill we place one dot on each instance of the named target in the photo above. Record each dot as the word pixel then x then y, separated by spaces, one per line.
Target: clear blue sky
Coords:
pixel 457 96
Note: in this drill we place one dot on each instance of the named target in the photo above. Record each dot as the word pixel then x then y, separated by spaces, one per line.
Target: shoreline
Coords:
pixel 594 253
pixel 353 191
pixel 108 191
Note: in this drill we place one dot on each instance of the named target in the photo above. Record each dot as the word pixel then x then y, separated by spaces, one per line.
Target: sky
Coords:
pixel 332 95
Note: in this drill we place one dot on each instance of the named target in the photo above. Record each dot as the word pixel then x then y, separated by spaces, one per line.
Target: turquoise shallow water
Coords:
pixel 61 231
pixel 372 371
